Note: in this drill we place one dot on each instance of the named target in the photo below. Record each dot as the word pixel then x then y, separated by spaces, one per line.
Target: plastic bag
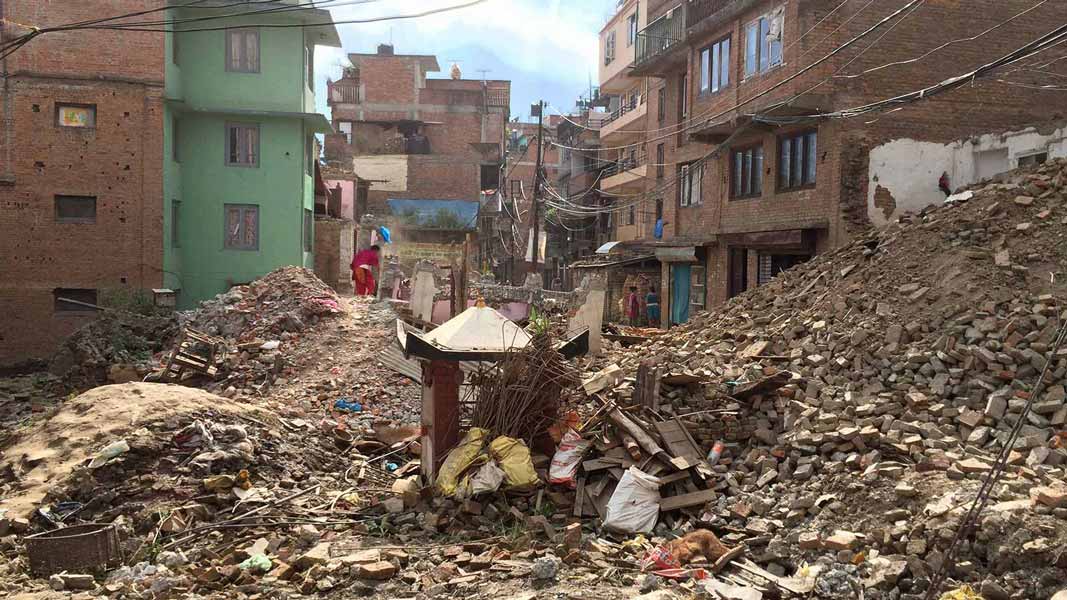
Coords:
pixel 634 507
pixel 458 459
pixel 659 558
pixel 109 452
pixel 487 480
pixel 514 458
pixel 568 456
pixel 256 562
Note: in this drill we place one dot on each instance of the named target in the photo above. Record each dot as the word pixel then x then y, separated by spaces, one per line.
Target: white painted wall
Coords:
pixel 910 169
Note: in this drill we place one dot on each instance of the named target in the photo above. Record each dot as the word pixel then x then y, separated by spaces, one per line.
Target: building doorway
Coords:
pixel 738 271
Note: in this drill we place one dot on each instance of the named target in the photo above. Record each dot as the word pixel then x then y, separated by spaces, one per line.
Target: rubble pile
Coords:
pixel 195 484
pixel 278 305
pixel 115 347
pixel 862 396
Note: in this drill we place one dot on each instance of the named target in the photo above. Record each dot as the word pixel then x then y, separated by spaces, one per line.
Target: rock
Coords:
pixel 841 540
pixel 545 568
pixel 1055 497
pixel 318 555
pixel 377 571
pixel 572 536
pixel 395 506
pixel 809 540
pixel 77 582
pixel 972 465
pixel 650 582
pixel 991 590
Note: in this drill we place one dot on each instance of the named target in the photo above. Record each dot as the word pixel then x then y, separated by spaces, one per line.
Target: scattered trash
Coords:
pixel 344 404
pixel 110 451
pixel 634 507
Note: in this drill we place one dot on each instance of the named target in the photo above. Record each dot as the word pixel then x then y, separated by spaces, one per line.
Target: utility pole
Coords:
pixel 540 109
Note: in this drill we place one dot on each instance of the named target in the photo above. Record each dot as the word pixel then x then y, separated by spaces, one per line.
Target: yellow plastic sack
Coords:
pixel 459 459
pixel 514 458
pixel 961 593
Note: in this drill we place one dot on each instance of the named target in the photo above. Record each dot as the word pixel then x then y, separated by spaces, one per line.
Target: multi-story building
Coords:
pixel 760 171
pixel 81 143
pixel 239 129
pixel 622 132
pixel 430 147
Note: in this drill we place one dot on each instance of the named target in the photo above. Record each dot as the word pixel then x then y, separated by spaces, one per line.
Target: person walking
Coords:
pixel 652 306
pixel 363 264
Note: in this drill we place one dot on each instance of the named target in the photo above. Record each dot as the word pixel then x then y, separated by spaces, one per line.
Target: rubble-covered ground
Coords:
pixel 903 361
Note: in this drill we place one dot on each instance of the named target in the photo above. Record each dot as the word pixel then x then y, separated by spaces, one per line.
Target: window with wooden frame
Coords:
pixel 75 209
pixel 715 67
pixel 690 176
pixel 242 227
pixel 609 48
pixel 242 50
pixel 746 172
pixel 698 295
pixel 242 144
pixel 660 157
pixel 76 116
pixel 797 155
pixel 631 36
pixel 763 42
pixel 632 216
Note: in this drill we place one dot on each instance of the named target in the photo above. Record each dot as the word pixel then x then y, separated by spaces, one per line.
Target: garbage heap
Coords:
pixel 887 376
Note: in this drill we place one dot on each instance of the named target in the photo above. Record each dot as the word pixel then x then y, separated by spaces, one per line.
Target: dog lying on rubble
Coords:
pixel 696 545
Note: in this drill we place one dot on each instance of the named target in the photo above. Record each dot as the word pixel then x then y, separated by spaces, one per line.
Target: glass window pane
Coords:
pixel 757 174
pixel 764 50
pixel 784 163
pixel 809 171
pixel 698 179
pixel 797 174
pixel 746 184
pixel 705 66
pixel 751 48
pixel 233 225
pixel 714 66
pixel 737 173
pixel 724 63
pixel 251 226
pixel 233 143
pixel 252 55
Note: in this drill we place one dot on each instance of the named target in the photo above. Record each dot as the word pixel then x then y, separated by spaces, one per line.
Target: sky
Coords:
pixel 546 48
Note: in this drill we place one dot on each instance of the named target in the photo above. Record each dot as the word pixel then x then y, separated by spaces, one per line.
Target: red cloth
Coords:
pixel 364 278
pixel 633 306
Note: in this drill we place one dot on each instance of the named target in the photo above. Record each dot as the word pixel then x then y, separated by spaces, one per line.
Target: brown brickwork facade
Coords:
pixel 113 239
pixel 781 223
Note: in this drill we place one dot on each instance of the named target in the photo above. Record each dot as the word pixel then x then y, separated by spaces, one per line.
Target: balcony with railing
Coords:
pixel 345 91
pixel 627 170
pixel 630 111
pixel 660 46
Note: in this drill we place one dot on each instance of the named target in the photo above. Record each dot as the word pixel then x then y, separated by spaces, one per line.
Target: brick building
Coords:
pixel 754 180
pixel 81 151
pixel 417 138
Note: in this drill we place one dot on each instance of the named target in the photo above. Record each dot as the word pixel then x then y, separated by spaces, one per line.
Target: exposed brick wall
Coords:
pixel 836 206
pixel 334 251
pixel 119 161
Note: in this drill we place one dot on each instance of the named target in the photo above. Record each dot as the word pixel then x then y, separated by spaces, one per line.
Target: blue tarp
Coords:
pixel 443 214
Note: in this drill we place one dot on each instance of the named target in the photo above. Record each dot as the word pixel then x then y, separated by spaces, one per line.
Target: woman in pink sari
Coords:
pixel 362 270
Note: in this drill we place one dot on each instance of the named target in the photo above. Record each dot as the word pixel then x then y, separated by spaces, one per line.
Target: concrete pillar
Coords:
pixel 440 413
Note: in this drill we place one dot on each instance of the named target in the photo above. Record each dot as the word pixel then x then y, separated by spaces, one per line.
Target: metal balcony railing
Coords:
pixel 626 108
pixel 626 164
pixel 497 97
pixel 342 92
pixel 662 35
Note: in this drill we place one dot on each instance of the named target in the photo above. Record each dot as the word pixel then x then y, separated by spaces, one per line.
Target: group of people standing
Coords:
pixel 650 315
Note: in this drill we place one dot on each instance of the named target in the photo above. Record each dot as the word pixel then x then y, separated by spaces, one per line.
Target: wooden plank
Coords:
pixel 599 464
pixel 592 502
pixel 750 567
pixel 687 500
pixel 679 476
pixel 579 497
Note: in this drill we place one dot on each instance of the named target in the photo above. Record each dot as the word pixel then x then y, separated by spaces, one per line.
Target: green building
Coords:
pixel 239 145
